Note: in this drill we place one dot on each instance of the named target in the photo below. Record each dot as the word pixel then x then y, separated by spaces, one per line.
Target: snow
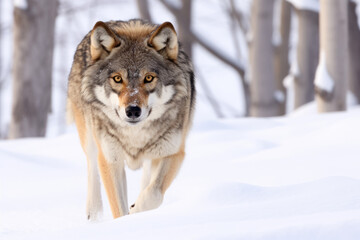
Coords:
pixel 22 4
pixel 294 68
pixel 279 96
pixel 293 177
pixel 289 84
pixel 351 99
pixel 323 79
pixel 357 10
pixel 311 5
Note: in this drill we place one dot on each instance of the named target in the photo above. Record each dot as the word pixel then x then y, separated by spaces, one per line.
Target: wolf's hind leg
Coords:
pixel 145 178
pixel 163 172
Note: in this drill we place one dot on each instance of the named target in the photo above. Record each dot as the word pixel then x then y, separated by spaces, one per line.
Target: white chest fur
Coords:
pixel 145 143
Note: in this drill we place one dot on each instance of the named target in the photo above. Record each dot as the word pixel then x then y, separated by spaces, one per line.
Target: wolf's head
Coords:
pixel 134 73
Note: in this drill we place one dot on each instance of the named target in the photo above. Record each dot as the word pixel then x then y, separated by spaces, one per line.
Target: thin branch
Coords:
pixel 233 25
pixel 174 10
pixel 239 17
pixel 235 65
pixel 209 95
pixel 212 99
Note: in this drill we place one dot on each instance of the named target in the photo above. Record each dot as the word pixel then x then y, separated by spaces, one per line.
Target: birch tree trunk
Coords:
pixel 184 26
pixel 281 62
pixel 334 49
pixel 32 67
pixel 354 53
pixel 261 53
pixel 307 56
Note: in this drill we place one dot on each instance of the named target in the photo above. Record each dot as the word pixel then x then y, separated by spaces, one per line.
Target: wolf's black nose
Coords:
pixel 133 112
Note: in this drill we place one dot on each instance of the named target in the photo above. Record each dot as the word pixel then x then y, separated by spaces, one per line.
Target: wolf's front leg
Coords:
pixel 163 172
pixel 93 202
pixel 114 179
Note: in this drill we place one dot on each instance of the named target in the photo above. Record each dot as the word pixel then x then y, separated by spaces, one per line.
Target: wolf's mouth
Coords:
pixel 130 121
pixel 133 122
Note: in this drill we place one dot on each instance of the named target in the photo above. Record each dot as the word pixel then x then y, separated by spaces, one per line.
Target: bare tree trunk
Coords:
pixel 354 53
pixel 184 22
pixel 281 60
pixel 143 8
pixel 307 56
pixel 261 52
pixel 334 49
pixel 32 67
pixel 183 19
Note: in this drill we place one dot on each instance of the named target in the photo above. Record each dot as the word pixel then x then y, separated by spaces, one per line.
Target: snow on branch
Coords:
pixel 357 10
pixel 323 80
pixel 22 4
pixel 311 5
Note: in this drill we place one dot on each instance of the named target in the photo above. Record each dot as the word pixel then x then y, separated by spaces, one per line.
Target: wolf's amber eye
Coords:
pixel 117 79
pixel 148 79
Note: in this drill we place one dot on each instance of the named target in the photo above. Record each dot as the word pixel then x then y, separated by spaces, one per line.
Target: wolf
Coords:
pixel 131 94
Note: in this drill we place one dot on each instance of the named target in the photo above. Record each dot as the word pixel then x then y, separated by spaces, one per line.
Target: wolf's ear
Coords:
pixel 165 38
pixel 103 40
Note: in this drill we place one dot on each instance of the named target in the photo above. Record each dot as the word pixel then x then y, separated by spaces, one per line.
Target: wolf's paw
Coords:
pixel 147 200
pixel 93 215
pixel 131 207
pixel 94 208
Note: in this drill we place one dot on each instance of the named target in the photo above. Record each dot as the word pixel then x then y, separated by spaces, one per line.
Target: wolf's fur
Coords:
pixel 112 135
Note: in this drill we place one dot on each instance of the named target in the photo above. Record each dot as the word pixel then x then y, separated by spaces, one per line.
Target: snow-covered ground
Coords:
pixel 295 177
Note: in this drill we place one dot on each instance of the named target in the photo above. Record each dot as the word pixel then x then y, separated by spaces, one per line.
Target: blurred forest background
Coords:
pixel 258 58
